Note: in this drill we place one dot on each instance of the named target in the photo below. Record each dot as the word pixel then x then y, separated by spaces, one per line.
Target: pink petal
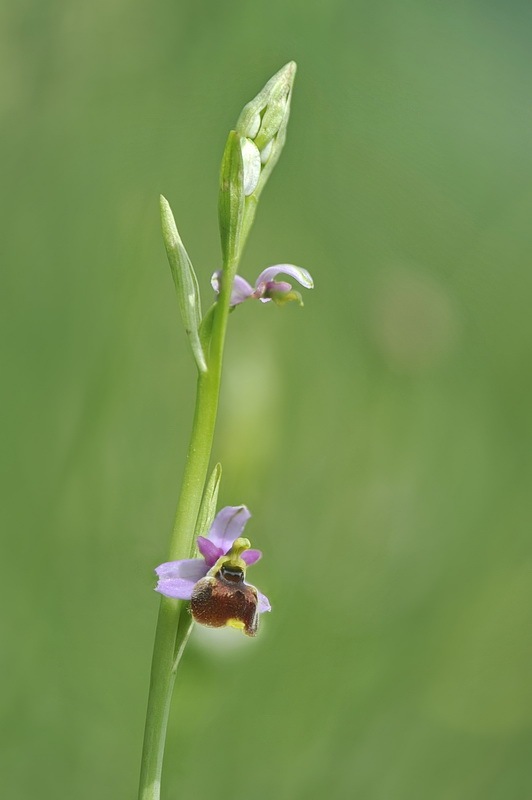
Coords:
pixel 190 568
pixel 264 290
pixel 178 588
pixel 264 603
pixel 251 556
pixel 178 578
pixel 241 289
pixel 301 275
pixel 209 551
pixel 228 526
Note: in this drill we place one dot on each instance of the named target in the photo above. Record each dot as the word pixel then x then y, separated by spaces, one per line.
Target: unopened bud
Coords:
pixel 253 127
pixel 272 120
pixel 259 135
pixel 251 163
pixel 266 152
pixel 274 93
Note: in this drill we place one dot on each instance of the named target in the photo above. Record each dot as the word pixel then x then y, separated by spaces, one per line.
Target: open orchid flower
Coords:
pixel 215 583
pixel 266 287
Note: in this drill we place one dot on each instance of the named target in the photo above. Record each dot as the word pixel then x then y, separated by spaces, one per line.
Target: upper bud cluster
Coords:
pixel 250 154
pixel 262 126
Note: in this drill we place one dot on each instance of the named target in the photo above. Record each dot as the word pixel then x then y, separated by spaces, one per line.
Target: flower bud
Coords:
pixel 251 164
pixel 266 152
pixel 272 120
pixel 269 104
pixel 260 127
pixel 271 109
pixel 253 127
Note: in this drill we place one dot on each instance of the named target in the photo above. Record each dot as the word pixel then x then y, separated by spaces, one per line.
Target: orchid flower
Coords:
pixel 215 583
pixel 266 286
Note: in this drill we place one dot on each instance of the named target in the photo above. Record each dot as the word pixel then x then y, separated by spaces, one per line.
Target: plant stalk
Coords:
pixel 170 635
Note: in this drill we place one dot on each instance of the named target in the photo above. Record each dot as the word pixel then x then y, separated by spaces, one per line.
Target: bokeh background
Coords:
pixel 381 436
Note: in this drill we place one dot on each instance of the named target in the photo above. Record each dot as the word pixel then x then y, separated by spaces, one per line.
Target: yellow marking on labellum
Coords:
pixel 235 623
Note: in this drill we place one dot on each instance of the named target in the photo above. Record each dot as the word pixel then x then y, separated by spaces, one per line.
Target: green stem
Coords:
pixel 170 636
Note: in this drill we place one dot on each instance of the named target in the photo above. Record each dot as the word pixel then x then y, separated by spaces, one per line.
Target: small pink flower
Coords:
pixel 215 583
pixel 266 287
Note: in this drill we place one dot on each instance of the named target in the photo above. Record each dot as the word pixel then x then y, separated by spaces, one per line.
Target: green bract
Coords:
pixel 186 283
pixel 231 202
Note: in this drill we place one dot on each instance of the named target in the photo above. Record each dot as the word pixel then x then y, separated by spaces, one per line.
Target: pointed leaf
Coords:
pixel 186 283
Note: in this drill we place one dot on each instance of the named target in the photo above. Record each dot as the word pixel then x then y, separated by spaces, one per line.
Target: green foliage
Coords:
pixel 186 282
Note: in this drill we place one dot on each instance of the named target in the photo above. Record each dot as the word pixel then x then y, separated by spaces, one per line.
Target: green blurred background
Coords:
pixel 381 436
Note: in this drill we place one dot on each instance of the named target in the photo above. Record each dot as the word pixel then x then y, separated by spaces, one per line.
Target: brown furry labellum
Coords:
pixel 225 599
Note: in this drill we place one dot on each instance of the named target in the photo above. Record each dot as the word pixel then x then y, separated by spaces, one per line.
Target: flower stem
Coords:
pixel 172 629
